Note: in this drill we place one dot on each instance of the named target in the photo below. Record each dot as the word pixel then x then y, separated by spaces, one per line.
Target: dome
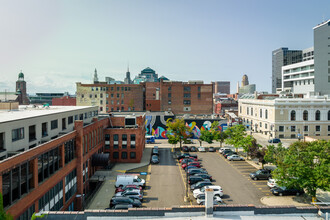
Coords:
pixel 148 70
pixel 21 75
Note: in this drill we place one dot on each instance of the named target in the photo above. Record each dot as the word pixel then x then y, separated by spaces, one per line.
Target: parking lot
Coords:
pixel 166 180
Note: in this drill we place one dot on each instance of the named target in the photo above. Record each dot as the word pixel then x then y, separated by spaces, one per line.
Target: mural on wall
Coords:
pixel 156 125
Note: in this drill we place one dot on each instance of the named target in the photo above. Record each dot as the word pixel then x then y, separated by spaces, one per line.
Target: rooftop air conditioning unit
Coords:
pixel 130 122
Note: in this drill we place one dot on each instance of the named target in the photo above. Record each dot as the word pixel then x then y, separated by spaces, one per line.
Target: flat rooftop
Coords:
pixel 25 112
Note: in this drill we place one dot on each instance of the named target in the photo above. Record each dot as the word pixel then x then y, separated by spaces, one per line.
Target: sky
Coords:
pixel 58 43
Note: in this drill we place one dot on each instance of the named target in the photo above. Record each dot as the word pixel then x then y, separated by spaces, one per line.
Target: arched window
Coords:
pixel 317 115
pixel 266 113
pixel 252 111
pixel 293 115
pixel 305 115
pixel 260 113
pixel 328 115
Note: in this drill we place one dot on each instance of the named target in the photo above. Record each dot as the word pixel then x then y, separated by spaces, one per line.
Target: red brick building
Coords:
pixel 55 175
pixel 64 101
pixel 192 97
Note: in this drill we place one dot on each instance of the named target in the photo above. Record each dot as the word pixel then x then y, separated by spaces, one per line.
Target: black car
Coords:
pixel 124 200
pixel 155 151
pixel 211 149
pixel 185 155
pixel 194 156
pixel 196 179
pixel 200 185
pixel 194 171
pixel 203 175
pixel 226 152
pixel 261 174
pixel 154 159
pixel 283 191
pixel 274 140
pixel 185 149
pixel 193 149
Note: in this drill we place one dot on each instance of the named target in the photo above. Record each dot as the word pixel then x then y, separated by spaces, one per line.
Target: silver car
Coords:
pixel 234 157
pixel 131 193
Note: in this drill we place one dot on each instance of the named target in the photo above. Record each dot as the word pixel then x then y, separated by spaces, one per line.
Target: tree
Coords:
pixel 236 136
pixel 220 136
pixel 305 165
pixel 3 214
pixel 275 155
pixel 206 136
pixel 177 131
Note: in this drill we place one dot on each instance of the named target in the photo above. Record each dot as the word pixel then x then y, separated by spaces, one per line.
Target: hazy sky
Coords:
pixel 57 43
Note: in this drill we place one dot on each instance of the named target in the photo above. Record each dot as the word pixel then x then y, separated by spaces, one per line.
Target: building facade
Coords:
pixel 286 117
pixel 221 87
pixel 282 57
pixel 64 101
pixel 110 98
pixel 322 57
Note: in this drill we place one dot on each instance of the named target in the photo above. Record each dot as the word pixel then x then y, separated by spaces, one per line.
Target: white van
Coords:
pixel 123 180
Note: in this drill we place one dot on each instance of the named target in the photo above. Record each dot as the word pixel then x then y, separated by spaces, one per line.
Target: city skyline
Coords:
pixel 59 43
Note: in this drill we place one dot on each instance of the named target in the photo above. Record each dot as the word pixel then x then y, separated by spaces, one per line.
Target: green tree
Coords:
pixel 275 155
pixel 305 165
pixel 220 136
pixel 207 136
pixel 3 214
pixel 177 131
pixel 236 136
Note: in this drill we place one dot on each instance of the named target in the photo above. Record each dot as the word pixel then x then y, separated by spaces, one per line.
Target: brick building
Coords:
pixel 192 97
pixel 64 101
pixel 221 87
pixel 55 175
pixel 111 97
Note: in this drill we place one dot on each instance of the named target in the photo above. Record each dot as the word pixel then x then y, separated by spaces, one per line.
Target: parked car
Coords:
pixel 193 149
pixel 283 191
pixel 194 171
pixel 196 179
pixel 234 157
pixel 194 156
pixel 127 179
pixel 185 149
pixel 229 154
pixel 124 200
pixel 187 160
pixel 261 174
pixel 121 189
pixel 272 183
pixel 274 140
pixel 189 167
pixel 154 159
pixel 201 198
pixel 211 149
pixel 204 175
pixel 215 202
pixel 191 164
pixel 200 185
pixel 226 151
pixel 217 191
pixel 131 193
pixel 155 151
pixel 221 150
pixel 184 155
pixel 122 206
pixel 201 149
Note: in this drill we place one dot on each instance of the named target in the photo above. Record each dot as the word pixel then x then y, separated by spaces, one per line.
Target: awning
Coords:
pixel 100 159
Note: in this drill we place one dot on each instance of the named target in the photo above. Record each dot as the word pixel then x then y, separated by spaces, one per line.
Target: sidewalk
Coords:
pixel 102 198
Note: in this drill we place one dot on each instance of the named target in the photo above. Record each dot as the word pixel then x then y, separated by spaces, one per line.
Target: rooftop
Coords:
pixel 29 111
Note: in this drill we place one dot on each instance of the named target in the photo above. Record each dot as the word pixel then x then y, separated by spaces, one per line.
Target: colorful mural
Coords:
pixel 156 125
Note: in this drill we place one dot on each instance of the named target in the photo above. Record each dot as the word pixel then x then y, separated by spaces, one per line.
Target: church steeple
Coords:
pixel 96 79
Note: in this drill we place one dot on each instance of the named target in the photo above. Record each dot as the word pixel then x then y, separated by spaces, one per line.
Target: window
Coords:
pixel 317 128
pixel 305 115
pixel 2 141
pixel 111 95
pixel 317 115
pixel 122 102
pixel 169 102
pixel 44 132
pixel 266 126
pixel 124 141
pixel 198 88
pixel 186 88
pixel 63 123
pixel 329 115
pixel 293 115
pixel 124 155
pixel 117 88
pixel 186 102
pixel 17 134
pixel 115 155
pixel 252 111
pixel 260 113
pixel 247 110
pixel 115 141
pixel 70 119
pixel 328 128
pixel 306 128
pixel 169 88
pixel 293 128
pixel 133 141
pixel 122 95
pixel 53 124
pixel 132 155
pixel 118 94
pixel 240 109
pixel 169 95
pixel 186 95
pixel 266 114
pixel 32 133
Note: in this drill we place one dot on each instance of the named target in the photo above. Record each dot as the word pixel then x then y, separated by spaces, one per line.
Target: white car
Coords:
pixel 272 183
pixel 217 190
pixel 223 149
pixel 201 149
pixel 234 157
pixel 201 199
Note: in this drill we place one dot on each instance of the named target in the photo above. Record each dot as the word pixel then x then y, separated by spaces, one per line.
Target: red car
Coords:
pixel 196 164
pixel 121 189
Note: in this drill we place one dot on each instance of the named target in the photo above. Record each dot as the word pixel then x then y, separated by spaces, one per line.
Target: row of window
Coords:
pixel 118 108
pixel 92 139
pixel 260 112
pixel 111 88
pixel 52 200
pixel 306 128
pixel 124 154
pixel 70 184
pixel 305 115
